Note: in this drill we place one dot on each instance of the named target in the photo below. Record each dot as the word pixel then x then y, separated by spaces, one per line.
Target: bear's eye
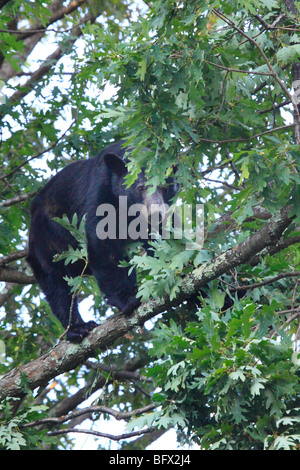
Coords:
pixel 141 187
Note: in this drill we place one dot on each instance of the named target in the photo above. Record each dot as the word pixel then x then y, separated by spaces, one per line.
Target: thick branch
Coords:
pixel 68 404
pixel 7 70
pixel 66 356
pixel 58 15
pixel 3 2
pixel 49 62
pixel 290 4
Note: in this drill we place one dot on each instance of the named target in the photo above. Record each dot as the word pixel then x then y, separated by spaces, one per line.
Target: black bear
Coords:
pixel 89 187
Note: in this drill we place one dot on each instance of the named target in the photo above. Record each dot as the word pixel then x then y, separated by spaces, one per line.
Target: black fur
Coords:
pixel 80 188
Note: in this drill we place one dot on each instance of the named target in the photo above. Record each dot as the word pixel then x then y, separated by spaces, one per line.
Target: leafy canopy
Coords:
pixel 207 85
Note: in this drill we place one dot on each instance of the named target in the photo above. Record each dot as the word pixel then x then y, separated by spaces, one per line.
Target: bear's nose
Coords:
pixel 156 205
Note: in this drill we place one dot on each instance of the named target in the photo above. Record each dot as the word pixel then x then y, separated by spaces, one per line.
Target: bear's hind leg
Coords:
pixel 63 304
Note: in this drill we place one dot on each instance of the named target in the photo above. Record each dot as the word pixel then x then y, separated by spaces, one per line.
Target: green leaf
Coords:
pixel 237 375
pixel 2 351
pixel 257 386
pixel 245 172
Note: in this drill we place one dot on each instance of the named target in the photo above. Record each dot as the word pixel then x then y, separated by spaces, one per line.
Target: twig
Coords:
pixel 230 69
pixel 272 71
pixel 118 415
pixel 39 28
pixel 247 139
pixel 289 320
pixel 276 106
pixel 266 282
pixel 273 25
pixel 223 98
pixel 223 183
pixel 101 434
pixel 48 63
pixel 294 293
pixel 48 149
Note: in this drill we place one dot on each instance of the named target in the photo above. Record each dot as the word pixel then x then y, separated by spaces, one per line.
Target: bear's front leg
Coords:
pixel 119 288
pixel 115 283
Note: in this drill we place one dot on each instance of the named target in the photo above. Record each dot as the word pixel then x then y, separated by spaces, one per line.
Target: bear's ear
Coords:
pixel 115 164
pixel 175 168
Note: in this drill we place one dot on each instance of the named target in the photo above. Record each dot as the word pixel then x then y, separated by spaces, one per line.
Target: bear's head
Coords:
pixel 138 194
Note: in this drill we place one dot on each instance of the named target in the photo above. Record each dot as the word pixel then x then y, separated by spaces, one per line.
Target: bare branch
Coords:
pixel 274 24
pixel 16 200
pixel 3 2
pixel 69 403
pixel 37 75
pixel 101 434
pixel 33 157
pixel 230 69
pixel 272 71
pixel 48 63
pixel 267 281
pixel 118 415
pixel 275 106
pixel 13 257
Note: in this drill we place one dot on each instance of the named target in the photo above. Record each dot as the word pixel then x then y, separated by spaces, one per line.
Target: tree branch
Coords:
pixel 7 70
pixel 272 71
pixel 15 255
pixel 66 356
pixel 71 402
pixel 230 69
pixel 58 15
pixel 102 434
pixel 48 63
pixel 16 199
pixel 16 275
pixel 33 157
pixel 266 282
pixel 3 2
pixel 118 415
pixel 247 139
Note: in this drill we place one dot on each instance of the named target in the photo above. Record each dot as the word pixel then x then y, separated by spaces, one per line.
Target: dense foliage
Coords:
pixel 207 85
